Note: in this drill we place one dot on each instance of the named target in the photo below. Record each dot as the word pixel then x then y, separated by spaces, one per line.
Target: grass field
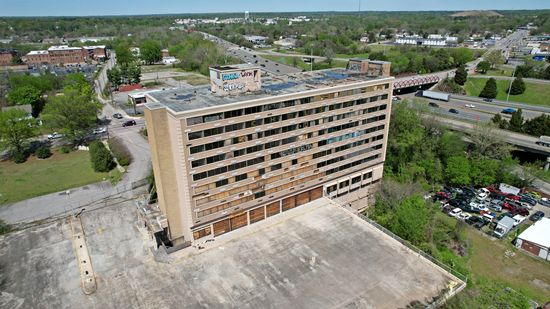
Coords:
pixel 487 262
pixel 38 177
pixel 522 272
pixel 497 72
pixel 536 94
pixel 193 79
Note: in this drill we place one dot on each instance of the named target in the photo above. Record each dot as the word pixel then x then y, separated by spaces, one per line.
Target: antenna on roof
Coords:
pixel 359 5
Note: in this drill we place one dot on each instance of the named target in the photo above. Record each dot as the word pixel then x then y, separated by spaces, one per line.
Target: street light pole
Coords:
pixel 510 87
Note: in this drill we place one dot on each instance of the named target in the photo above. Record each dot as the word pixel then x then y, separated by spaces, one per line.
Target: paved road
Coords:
pixel 510 137
pixel 93 195
pixel 248 55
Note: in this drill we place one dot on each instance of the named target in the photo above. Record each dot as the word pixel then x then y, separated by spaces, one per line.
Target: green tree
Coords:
pixel 518 86
pixel 494 58
pixel 499 121
pixel 134 74
pixel 483 171
pixel 483 66
pixel 22 95
pixel 516 122
pixel 546 73
pixel 74 114
pixel 123 54
pixel 151 51
pixel 411 218
pixel 538 126
pixel 458 170
pixel 450 144
pixel 115 77
pixel 490 89
pixel 102 160
pixel 15 129
pixel 461 75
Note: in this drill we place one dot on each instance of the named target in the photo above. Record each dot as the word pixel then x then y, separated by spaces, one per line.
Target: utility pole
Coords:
pixel 510 86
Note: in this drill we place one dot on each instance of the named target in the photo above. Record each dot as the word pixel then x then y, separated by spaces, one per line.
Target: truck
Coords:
pixel 504 226
pixel 435 95
pixel 544 141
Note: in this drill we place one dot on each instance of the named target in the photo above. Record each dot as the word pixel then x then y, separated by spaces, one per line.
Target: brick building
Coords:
pixel 66 55
pixel 245 149
pixel 6 56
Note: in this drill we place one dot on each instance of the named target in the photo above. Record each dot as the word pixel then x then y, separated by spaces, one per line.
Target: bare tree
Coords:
pixel 489 142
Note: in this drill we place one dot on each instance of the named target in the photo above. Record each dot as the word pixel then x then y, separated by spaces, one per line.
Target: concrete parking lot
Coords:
pixel 314 256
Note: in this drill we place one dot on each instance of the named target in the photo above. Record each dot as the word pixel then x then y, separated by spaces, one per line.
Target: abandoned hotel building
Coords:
pixel 247 148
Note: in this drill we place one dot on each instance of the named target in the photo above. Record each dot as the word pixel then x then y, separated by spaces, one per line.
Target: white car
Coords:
pixel 464 216
pixel 482 194
pixel 55 135
pixel 455 212
pixel 469 105
pixel 99 130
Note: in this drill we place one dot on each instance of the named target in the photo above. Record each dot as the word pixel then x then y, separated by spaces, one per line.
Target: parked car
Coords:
pixel 455 212
pixel 544 202
pixel 447 209
pixel 453 111
pixel 495 205
pixel 464 216
pixel 536 216
pixel 482 194
pixel 117 116
pixel 129 123
pixel 469 105
pixel 55 135
pixel 476 221
pixel 99 130
pixel 512 197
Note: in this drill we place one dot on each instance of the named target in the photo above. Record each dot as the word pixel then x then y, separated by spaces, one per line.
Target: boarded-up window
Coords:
pixel 302 198
pixel 239 221
pixel 272 209
pixel 221 227
pixel 257 214
pixel 201 233
pixel 316 193
pixel 289 203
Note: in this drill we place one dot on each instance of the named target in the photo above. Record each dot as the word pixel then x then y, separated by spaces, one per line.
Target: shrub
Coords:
pixel 102 160
pixel 43 152
pixel 19 157
pixel 65 149
pixel 119 150
pixel 4 227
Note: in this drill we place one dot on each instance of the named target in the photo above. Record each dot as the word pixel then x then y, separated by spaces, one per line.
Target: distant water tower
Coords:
pixel 246 15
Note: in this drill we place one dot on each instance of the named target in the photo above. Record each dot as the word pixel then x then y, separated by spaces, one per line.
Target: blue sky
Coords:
pixel 117 7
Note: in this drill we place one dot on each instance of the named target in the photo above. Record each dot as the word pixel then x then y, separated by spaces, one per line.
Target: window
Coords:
pixel 240 177
pixel 194 120
pixel 252 110
pixel 344 184
pixel 367 175
pixel 234 113
pixel 194 135
pixel 294 161
pixel 259 194
pixel 355 179
pixel 276 167
pixel 261 171
pixel 197 163
pixel 221 183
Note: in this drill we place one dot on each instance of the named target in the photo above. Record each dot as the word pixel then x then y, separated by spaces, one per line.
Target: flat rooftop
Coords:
pixel 187 98
pixel 314 256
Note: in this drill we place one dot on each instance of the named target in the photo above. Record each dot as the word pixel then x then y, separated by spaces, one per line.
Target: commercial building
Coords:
pixel 66 55
pixel 431 40
pixel 6 56
pixel 536 239
pixel 247 148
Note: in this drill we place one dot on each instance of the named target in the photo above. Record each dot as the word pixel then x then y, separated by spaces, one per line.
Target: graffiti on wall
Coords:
pixel 237 75
pixel 233 87
pixel 354 66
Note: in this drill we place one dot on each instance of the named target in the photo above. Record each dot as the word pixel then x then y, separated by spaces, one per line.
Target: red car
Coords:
pixel 442 194
pixel 512 197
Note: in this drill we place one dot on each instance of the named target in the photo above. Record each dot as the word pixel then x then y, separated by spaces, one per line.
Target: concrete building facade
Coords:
pixel 245 149
pixel 65 55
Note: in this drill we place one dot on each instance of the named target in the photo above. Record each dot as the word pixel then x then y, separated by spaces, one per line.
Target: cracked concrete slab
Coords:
pixel 314 256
